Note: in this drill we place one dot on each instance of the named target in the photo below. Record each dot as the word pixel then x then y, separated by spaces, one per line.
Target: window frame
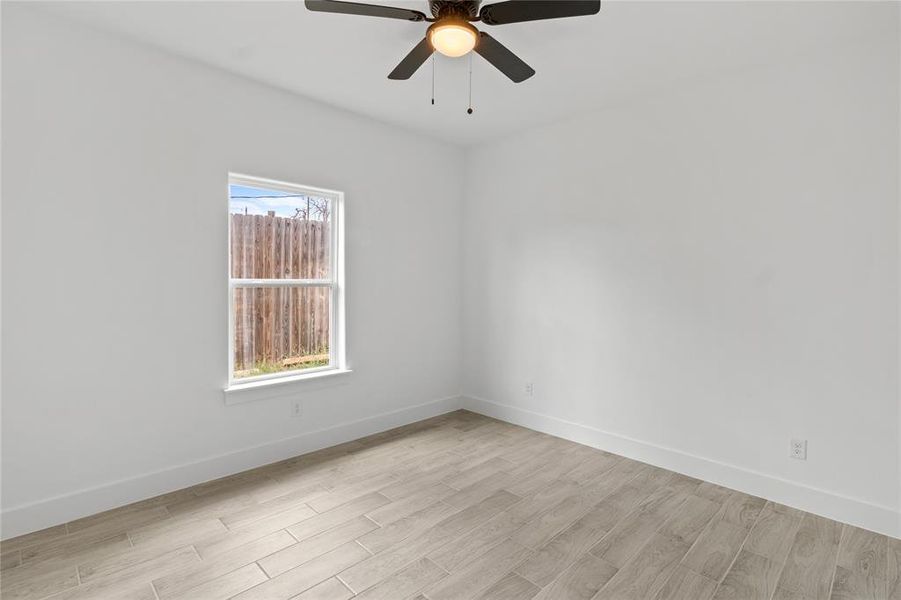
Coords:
pixel 337 355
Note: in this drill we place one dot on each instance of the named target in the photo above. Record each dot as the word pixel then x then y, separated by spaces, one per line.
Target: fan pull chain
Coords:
pixel 433 80
pixel 469 110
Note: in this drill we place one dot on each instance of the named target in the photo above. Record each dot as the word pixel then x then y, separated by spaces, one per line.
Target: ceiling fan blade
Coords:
pixel 366 10
pixel 412 61
pixel 506 62
pixel 517 11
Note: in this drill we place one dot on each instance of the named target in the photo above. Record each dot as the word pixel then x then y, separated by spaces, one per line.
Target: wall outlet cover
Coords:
pixel 798 449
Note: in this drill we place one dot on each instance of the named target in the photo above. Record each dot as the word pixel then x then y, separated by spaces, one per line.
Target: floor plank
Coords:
pixel 752 577
pixel 39 585
pixel 690 519
pixel 647 573
pixel 198 573
pixel 715 549
pixel 773 534
pixel 151 561
pixel 408 527
pixel 293 555
pixel 330 589
pixel 811 560
pixel 335 516
pixel 399 509
pixel 227 585
pixel 218 543
pixel 862 565
pixel 35 538
pixel 742 509
pixel 405 582
pixel 893 570
pixel 511 587
pixel 685 584
pixel 630 534
pixel 480 573
pixel 383 564
pixel 580 581
pixel 293 582
pixel 10 559
pixel 568 546
pixel 498 528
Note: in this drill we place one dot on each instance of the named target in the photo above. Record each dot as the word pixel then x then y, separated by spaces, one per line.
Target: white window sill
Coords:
pixel 284 386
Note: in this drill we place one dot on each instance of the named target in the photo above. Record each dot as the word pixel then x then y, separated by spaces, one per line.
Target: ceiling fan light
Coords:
pixel 453 38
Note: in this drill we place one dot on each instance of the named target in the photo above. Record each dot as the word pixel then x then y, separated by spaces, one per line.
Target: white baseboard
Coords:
pixel 22 519
pixel 882 519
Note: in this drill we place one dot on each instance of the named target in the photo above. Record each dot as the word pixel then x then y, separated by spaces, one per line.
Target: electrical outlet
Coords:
pixel 296 408
pixel 530 389
pixel 798 449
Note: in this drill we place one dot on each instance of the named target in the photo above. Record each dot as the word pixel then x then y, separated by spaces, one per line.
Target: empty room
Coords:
pixel 450 300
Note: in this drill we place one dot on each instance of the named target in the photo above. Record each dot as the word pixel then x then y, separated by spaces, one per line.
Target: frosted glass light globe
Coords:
pixel 453 39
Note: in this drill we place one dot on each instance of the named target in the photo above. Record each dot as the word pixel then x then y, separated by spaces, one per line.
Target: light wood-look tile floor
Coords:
pixel 453 508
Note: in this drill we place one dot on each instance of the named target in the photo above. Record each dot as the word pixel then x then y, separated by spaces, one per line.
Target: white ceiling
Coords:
pixel 584 63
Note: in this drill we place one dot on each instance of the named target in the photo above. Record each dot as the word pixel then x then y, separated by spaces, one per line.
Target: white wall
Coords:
pixel 698 277
pixel 115 160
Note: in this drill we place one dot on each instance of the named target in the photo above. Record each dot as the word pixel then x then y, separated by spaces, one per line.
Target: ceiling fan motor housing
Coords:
pixel 463 9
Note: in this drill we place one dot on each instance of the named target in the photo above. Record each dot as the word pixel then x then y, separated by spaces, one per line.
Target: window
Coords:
pixel 285 292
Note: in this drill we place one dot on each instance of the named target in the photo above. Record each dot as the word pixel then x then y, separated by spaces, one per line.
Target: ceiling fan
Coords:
pixel 452 34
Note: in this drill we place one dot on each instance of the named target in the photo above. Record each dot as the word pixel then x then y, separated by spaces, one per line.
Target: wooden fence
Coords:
pixel 279 328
